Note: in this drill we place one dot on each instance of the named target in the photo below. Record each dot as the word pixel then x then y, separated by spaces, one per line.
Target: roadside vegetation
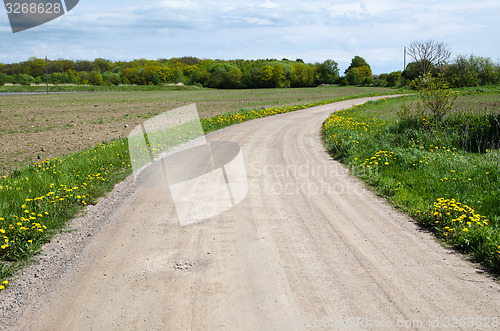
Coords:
pixel 434 155
pixel 38 200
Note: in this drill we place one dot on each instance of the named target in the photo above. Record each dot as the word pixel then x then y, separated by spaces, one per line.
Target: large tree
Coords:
pixel 359 72
pixel 428 54
pixel 327 72
pixel 357 62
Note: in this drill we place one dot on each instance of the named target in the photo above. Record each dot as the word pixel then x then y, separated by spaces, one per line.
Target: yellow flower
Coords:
pixel 465 230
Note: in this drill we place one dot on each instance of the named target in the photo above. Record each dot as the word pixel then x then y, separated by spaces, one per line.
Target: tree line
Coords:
pixel 428 57
pixel 187 70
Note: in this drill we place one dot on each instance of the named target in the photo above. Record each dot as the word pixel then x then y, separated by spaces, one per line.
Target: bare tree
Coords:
pixel 428 54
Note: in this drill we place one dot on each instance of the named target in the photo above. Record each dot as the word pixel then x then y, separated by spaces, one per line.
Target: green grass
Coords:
pixel 438 180
pixel 39 199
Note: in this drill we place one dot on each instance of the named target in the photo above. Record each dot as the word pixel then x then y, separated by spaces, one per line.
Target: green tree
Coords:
pixel 62 78
pixel 111 78
pixel 359 72
pixel 103 65
pixel 233 78
pixel 84 65
pixel 166 75
pixel 357 62
pixel 4 79
pixel 150 75
pixel 304 75
pixel 394 78
pixel 278 75
pixel 22 79
pixel 132 76
pixel 353 77
pixel 327 72
pixel 265 76
pixel 95 78
pixel 37 66
pixel 472 71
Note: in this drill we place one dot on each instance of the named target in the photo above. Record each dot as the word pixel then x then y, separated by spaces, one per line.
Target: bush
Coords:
pixel 3 79
pixel 22 79
pixel 472 71
pixel 394 78
pixel 435 99
pixel 111 78
pixel 62 78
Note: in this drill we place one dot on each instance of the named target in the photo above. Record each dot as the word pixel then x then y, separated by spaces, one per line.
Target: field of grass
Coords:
pixel 38 198
pixel 34 127
pixel 440 177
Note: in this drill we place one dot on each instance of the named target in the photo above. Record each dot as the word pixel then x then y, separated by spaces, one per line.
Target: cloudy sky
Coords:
pixel 314 30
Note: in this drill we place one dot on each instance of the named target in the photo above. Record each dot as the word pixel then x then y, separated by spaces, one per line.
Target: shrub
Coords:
pixel 22 79
pixel 3 79
pixel 394 78
pixel 435 99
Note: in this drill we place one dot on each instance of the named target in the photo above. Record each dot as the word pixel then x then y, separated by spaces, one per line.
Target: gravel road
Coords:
pixel 310 246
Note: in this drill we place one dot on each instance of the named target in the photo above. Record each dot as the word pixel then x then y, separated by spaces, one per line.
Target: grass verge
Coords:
pixel 447 188
pixel 39 199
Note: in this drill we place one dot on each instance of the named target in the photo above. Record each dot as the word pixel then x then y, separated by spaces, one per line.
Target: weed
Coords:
pixel 437 176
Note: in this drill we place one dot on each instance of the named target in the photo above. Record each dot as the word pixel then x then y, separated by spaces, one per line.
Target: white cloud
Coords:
pixel 314 30
pixel 259 21
pixel 268 5
pixel 174 5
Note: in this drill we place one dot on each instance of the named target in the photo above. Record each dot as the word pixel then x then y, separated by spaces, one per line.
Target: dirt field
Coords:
pixel 305 246
pixel 44 126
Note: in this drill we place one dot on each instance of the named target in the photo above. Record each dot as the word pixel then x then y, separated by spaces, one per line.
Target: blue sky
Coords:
pixel 376 30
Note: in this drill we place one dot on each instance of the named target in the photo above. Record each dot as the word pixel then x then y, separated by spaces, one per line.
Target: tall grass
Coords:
pixel 37 200
pixel 437 175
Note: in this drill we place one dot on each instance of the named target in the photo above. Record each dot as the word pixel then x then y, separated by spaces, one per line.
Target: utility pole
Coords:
pixel 404 65
pixel 47 73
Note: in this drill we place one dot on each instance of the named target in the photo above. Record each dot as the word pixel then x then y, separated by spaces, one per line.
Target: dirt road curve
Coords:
pixel 308 243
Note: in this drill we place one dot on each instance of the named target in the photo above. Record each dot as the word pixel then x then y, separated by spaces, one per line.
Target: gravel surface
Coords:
pixel 59 256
